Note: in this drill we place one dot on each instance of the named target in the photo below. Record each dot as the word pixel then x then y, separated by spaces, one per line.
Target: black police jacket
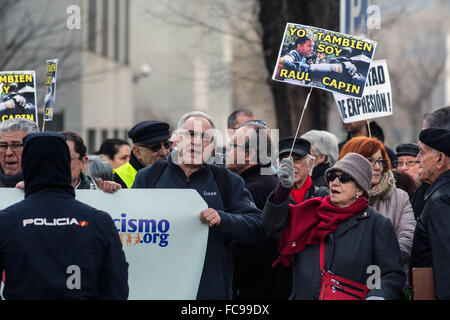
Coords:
pixel 53 246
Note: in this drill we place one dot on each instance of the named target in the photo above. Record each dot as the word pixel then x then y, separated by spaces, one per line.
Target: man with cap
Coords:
pixel 302 160
pixel 150 144
pixel 406 160
pixel 431 247
pixel 51 245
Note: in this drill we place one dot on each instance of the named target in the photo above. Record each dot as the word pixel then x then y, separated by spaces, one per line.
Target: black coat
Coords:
pixel 254 277
pixel 240 221
pixel 359 242
pixel 431 244
pixel 418 200
pixel 48 235
pixel 318 175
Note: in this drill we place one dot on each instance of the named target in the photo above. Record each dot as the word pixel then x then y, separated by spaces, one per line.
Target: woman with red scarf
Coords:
pixel 339 236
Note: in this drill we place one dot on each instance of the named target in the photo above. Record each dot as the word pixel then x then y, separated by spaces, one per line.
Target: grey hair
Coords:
pixel 323 142
pixel 19 124
pixel 99 167
pixel 195 114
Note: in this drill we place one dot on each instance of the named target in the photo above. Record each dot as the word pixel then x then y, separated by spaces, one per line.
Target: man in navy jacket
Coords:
pixel 231 213
pixel 51 245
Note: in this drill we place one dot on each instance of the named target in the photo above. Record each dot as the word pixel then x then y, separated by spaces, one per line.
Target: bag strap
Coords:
pixel 322 256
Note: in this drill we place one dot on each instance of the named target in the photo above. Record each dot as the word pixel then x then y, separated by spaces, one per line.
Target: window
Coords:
pixel 92 25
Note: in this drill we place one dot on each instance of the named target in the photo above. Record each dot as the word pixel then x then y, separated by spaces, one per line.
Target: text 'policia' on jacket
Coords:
pixel 51 245
pixel 240 219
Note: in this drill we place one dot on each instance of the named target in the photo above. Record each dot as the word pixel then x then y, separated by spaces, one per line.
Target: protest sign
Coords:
pixel 376 100
pixel 324 59
pixel 163 240
pixel 18 95
pixel 50 89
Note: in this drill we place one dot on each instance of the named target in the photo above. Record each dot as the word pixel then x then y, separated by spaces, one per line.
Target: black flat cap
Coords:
pixel 407 149
pixel 436 138
pixel 151 131
pixel 302 146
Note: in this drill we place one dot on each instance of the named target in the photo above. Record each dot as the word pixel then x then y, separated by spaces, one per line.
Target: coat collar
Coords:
pixel 437 184
pixel 352 222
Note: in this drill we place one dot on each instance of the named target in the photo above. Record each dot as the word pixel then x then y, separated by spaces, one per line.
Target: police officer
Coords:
pixel 150 143
pixel 51 245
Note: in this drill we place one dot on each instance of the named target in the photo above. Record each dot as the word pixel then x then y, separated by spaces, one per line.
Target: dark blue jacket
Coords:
pixel 240 221
pixel 431 244
pixel 53 246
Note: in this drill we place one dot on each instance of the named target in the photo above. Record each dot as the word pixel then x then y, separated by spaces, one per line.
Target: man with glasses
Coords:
pixel 150 144
pixel 231 214
pixel 11 134
pixel 79 163
pixel 406 160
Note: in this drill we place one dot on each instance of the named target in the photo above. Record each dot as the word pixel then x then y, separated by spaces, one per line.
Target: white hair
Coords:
pixel 195 114
pixel 323 142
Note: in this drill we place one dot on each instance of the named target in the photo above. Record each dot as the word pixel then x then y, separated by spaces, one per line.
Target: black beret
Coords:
pixel 302 146
pixel 436 138
pixel 407 149
pixel 148 132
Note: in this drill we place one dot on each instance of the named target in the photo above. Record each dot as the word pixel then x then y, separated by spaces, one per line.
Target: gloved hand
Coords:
pixel 19 100
pixel 286 172
pixel 349 67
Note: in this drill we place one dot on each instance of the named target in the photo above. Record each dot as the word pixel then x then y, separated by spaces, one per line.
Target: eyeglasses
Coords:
pixel 382 162
pixel 15 146
pixel 157 147
pixel 235 146
pixel 343 177
pixel 203 135
pixel 409 163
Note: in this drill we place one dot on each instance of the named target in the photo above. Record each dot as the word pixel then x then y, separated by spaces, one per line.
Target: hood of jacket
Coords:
pixel 46 163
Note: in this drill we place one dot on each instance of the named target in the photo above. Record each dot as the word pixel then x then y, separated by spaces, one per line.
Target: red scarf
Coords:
pixel 299 194
pixel 311 221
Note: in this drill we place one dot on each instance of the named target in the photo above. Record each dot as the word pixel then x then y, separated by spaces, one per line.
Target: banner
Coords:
pixel 376 100
pixel 324 59
pixel 18 95
pixel 161 233
pixel 50 89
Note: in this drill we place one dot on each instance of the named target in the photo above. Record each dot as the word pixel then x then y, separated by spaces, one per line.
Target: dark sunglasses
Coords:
pixel 343 177
pixel 157 147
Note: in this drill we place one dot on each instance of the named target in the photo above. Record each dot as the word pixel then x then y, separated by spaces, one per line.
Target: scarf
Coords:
pixel 311 221
pixel 385 185
pixel 299 194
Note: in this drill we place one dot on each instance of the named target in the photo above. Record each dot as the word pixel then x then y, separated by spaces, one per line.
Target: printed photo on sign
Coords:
pixel 18 95
pixel 50 89
pixel 376 101
pixel 324 59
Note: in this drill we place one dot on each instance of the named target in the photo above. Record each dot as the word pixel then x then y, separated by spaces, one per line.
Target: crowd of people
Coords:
pixel 309 225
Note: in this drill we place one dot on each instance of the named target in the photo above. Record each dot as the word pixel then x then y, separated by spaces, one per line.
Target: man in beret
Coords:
pixel 431 247
pixel 150 144
pixel 406 160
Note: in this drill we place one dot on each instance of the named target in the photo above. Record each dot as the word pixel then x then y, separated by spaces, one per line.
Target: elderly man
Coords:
pixel 406 160
pixel 231 213
pixel 248 155
pixel 431 247
pixel 12 133
pixel 150 143
pixel 303 188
